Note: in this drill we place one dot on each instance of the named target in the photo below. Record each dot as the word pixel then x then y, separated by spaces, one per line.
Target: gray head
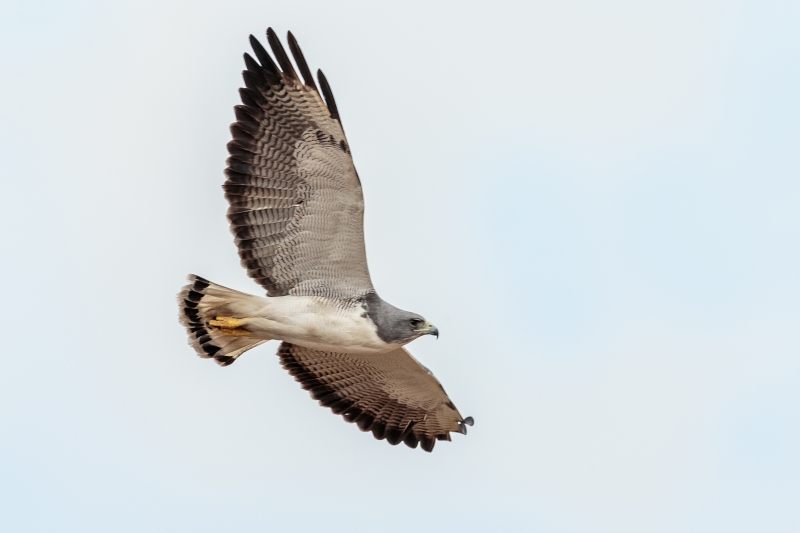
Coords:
pixel 395 325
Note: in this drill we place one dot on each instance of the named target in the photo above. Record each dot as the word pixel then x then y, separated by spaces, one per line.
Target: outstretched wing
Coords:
pixel 296 207
pixel 392 394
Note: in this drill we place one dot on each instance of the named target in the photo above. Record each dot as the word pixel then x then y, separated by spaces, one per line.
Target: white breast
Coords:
pixel 317 323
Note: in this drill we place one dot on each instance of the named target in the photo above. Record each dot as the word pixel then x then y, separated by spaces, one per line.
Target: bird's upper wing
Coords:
pixel 391 394
pixel 296 206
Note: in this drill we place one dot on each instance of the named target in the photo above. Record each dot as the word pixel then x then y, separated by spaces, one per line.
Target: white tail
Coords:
pixel 201 301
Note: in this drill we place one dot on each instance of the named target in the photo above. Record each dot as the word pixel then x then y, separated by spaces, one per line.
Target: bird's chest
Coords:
pixel 320 325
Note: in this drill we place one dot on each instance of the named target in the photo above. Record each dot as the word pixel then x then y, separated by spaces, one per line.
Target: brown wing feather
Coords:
pixel 296 205
pixel 392 395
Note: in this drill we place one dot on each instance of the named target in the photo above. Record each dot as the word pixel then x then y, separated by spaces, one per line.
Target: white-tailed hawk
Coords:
pixel 297 212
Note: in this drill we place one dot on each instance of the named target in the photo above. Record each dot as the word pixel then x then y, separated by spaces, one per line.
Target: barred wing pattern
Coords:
pixel 296 206
pixel 392 395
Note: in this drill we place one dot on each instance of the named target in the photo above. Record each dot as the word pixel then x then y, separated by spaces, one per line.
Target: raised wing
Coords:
pixel 296 206
pixel 392 394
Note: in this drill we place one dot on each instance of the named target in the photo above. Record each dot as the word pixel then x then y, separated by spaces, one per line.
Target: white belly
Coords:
pixel 318 324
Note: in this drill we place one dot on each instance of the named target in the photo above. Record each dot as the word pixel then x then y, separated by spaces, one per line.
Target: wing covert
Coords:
pixel 296 205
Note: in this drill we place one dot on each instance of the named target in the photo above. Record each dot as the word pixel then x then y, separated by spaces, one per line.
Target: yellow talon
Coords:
pixel 230 326
pixel 227 322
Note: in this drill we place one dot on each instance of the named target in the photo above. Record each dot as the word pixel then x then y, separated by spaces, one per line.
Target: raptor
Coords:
pixel 297 216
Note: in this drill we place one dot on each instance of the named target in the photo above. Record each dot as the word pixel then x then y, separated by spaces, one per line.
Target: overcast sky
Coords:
pixel 595 202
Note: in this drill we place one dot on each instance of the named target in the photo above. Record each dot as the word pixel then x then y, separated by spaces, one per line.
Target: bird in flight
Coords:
pixel 297 215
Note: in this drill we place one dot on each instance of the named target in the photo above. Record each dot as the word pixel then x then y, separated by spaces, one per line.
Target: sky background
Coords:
pixel 595 202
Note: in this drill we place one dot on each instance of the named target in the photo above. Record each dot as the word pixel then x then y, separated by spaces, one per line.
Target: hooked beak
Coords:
pixel 432 330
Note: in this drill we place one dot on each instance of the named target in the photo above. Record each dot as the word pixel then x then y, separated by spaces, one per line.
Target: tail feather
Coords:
pixel 200 301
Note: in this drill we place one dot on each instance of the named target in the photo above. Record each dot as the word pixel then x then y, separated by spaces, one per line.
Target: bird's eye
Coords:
pixel 415 322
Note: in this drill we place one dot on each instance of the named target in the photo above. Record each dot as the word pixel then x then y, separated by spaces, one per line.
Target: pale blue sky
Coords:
pixel 596 203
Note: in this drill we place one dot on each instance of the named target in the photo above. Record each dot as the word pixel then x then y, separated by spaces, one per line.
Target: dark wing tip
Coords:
pixel 280 54
pixel 265 59
pixel 328 95
pixel 427 442
pixel 272 71
pixel 300 60
pixel 251 64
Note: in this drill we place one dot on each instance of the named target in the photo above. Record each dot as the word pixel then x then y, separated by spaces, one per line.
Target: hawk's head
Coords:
pixel 394 325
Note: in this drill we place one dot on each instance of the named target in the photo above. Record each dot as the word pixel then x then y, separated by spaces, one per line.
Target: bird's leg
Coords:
pixel 227 322
pixel 230 326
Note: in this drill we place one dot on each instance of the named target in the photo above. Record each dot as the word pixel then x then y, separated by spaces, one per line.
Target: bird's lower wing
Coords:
pixel 391 394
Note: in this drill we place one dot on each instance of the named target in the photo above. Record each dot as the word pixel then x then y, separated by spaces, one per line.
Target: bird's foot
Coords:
pixel 227 322
pixel 230 326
